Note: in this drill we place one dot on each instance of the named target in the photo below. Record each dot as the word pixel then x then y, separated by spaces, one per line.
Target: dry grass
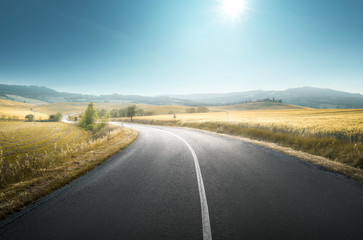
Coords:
pixel 345 124
pixel 31 177
pixel 334 134
pixel 72 107
pixel 63 107
pixel 26 100
pixel 20 138
pixel 16 110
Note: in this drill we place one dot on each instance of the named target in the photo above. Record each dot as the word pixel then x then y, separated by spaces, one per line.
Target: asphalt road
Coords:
pixel 151 190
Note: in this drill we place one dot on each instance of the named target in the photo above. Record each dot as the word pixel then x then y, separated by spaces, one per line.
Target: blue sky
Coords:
pixel 173 46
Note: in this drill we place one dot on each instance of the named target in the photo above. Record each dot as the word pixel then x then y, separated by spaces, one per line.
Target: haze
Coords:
pixel 158 47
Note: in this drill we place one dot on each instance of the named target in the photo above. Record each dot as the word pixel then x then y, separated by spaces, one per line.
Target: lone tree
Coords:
pixel 55 117
pixel 131 111
pixel 89 117
pixel 202 109
pixel 30 117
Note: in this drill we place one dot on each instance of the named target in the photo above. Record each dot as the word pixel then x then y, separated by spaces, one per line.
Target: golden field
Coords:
pixel 16 110
pixel 73 107
pixel 36 138
pixel 335 134
pixel 345 124
pixel 37 158
pixel 255 106
pixel 25 100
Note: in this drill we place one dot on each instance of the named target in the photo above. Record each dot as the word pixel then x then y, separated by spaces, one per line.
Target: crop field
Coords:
pixel 72 107
pixel 37 158
pixel 336 134
pixel 25 100
pixel 16 110
pixel 255 106
pixel 18 139
pixel 345 124
pixel 63 107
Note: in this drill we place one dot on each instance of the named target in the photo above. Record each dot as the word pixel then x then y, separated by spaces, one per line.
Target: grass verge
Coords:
pixel 29 179
pixel 328 152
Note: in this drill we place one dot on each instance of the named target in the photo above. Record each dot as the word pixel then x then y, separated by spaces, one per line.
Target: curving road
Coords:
pixel 174 183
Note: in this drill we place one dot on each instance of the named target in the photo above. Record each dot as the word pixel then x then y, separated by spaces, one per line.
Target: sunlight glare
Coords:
pixel 233 8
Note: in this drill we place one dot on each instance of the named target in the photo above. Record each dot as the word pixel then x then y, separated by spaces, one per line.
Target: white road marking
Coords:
pixel 207 232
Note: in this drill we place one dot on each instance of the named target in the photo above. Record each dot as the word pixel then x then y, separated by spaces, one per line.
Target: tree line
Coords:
pixel 128 111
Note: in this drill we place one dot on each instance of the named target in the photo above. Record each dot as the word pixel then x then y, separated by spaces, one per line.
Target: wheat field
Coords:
pixel 344 124
pixel 336 134
pixel 36 138
pixel 38 158
pixel 72 107
pixel 16 110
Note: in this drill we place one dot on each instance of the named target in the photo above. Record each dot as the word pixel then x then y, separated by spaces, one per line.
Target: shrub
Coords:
pixel 30 117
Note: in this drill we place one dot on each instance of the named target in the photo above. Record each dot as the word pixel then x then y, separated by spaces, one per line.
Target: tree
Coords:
pixel 122 112
pixel 149 113
pixel 55 117
pixel 58 116
pixel 114 113
pixel 89 117
pixel 30 117
pixel 102 112
pixel 131 111
pixel 105 117
pixel 202 109
pixel 190 110
pixel 140 112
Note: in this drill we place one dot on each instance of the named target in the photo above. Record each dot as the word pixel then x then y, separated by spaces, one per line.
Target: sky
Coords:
pixel 177 47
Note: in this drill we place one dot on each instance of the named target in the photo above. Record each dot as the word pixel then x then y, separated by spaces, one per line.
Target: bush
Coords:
pixel 30 117
pixel 202 109
pixel 55 117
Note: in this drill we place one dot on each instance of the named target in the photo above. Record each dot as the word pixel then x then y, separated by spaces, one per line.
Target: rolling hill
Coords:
pixel 305 96
pixel 47 95
pixel 17 110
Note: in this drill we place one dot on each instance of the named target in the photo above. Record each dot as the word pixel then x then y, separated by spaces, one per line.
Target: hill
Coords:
pixel 17 110
pixel 47 95
pixel 255 106
pixel 305 96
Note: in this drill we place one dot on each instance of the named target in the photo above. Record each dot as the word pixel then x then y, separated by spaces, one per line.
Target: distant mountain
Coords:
pixel 304 96
pixel 45 94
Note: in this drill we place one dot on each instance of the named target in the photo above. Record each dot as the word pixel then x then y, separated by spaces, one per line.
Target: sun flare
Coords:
pixel 233 8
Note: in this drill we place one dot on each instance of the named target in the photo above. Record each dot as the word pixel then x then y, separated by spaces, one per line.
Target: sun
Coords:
pixel 233 8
